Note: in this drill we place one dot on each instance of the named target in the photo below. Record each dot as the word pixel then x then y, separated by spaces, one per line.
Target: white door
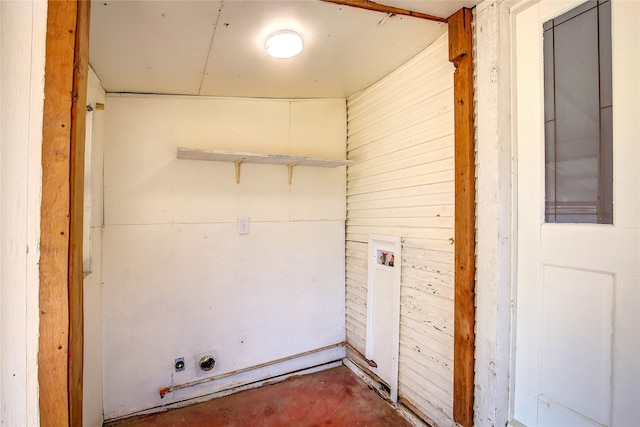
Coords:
pixel 577 358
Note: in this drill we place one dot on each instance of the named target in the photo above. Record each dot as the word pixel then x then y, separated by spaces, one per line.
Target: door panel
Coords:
pixel 591 247
pixel 575 367
pixel 626 352
pixel 578 285
pixel 555 414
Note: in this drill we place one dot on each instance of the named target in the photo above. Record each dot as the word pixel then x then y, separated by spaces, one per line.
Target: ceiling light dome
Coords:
pixel 284 44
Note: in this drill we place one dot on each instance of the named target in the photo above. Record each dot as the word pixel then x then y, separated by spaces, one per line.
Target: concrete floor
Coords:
pixel 334 397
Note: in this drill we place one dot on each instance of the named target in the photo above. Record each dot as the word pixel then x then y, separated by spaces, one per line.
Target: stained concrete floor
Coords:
pixel 333 397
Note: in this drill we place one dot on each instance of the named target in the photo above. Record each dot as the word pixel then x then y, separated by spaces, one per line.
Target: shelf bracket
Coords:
pixel 237 162
pixel 290 167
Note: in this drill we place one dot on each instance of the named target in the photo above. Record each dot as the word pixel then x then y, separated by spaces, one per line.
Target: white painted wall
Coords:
pixel 180 281
pixel 401 140
pixel 92 381
pixel 22 53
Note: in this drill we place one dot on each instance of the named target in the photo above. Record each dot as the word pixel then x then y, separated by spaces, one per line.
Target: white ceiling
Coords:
pixel 216 48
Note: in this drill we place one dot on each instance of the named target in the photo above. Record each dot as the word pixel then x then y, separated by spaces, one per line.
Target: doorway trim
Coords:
pixel 495 213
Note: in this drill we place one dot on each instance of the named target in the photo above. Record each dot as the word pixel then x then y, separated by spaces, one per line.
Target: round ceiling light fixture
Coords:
pixel 284 44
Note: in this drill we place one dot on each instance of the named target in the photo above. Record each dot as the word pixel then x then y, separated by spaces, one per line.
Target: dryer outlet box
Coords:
pixel 206 363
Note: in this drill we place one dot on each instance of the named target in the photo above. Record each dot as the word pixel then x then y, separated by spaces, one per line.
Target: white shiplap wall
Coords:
pixel 23 29
pixel 401 182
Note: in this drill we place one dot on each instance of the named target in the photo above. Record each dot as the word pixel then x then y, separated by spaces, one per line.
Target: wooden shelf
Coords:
pixel 274 159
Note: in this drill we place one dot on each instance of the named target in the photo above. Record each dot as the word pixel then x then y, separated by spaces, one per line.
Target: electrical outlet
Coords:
pixel 178 364
pixel 243 225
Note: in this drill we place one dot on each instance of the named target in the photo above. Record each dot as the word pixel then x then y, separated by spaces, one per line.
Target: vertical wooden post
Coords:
pixel 76 276
pixel 60 344
pixel 54 226
pixel 460 53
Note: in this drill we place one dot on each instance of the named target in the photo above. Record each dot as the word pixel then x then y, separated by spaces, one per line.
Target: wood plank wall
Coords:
pixel 401 139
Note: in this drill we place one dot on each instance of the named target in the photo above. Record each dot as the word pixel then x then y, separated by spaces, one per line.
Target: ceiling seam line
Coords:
pixel 206 63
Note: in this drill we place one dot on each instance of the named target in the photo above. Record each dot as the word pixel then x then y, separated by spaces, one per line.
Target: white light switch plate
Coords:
pixel 243 225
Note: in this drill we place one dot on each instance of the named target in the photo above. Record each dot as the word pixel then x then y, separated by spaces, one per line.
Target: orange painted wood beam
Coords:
pixel 369 5
pixel 54 223
pixel 460 54
pixel 60 354
pixel 76 276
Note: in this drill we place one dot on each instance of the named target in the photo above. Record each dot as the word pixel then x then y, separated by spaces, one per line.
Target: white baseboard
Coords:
pixel 231 385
